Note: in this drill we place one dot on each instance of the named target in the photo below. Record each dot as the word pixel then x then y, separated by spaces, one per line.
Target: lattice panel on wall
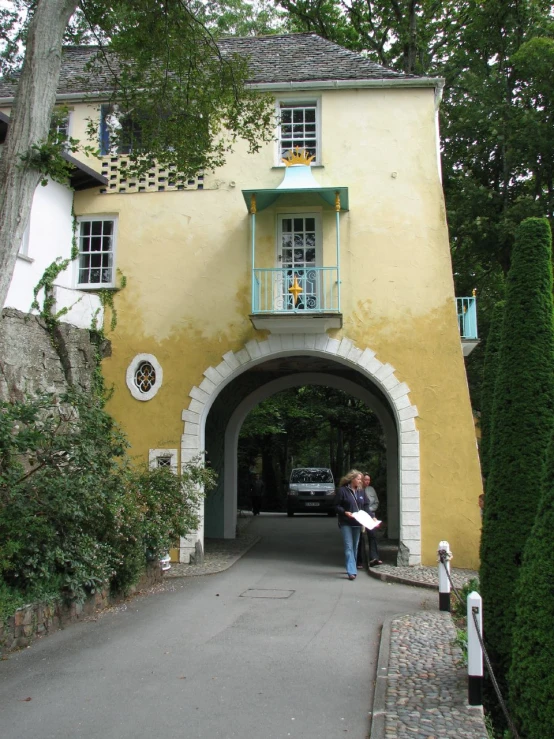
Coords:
pixel 157 179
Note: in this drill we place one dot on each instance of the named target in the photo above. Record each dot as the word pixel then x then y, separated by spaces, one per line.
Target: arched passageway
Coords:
pixel 243 379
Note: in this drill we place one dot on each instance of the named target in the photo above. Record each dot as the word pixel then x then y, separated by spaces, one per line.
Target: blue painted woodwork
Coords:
pixel 467 317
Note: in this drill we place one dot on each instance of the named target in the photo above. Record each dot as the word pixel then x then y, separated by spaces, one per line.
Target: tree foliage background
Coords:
pixel 496 116
pixel 310 426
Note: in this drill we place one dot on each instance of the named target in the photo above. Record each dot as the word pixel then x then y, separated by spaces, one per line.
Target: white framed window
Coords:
pixel 163 458
pixel 299 125
pixel 144 377
pixel 96 237
pixel 62 127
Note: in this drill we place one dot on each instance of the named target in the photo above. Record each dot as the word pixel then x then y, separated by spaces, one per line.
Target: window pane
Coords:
pixel 287 224
pixel 298 224
pixel 286 115
pixel 310 224
pixel 96 252
pixel 298 115
pixel 310 256
pixel 310 115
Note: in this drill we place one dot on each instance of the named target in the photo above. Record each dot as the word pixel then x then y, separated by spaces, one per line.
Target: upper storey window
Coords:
pixel 299 127
pixel 120 133
pixel 96 241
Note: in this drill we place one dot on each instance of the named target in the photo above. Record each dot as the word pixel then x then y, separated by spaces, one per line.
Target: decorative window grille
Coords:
pixel 157 179
pixel 96 241
pixel 163 458
pixel 145 377
pixel 298 127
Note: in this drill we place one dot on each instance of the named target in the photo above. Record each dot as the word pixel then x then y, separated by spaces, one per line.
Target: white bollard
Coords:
pixel 444 581
pixel 474 650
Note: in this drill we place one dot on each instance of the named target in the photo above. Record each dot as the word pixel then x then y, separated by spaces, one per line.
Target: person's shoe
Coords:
pixel 375 562
pixel 360 567
pixel 351 577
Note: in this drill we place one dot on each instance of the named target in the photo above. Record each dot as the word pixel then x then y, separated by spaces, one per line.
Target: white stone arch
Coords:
pixel 343 352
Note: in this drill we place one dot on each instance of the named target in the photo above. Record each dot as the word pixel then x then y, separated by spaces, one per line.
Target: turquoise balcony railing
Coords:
pixel 467 318
pixel 318 290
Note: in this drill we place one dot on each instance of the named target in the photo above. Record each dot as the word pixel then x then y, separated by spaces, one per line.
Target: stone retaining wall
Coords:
pixel 39 619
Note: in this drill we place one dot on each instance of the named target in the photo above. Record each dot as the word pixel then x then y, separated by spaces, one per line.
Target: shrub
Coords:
pixel 531 675
pixel 75 513
pixel 523 418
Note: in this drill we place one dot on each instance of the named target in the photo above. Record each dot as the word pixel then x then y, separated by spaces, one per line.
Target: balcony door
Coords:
pixel 298 257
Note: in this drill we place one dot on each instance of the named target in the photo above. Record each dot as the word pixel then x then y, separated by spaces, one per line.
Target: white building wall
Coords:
pixel 50 236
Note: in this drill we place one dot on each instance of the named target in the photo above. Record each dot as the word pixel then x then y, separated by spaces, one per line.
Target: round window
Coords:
pixel 144 376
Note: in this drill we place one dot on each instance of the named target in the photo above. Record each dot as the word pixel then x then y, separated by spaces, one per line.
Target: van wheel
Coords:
pixel 290 513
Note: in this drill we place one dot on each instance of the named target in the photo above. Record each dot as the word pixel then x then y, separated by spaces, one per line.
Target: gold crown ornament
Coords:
pixel 298 155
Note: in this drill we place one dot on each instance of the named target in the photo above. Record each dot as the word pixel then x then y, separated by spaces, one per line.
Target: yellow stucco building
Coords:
pixel 207 325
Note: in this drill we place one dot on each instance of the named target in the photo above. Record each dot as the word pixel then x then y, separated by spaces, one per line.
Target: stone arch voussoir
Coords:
pixel 347 353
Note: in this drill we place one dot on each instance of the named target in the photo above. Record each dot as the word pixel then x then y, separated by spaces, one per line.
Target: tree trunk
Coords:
pixel 29 124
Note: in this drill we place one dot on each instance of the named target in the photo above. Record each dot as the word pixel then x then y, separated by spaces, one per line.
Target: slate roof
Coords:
pixel 298 57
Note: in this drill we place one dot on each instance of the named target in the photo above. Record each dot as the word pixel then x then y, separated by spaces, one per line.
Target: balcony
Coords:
pixel 466 309
pixel 308 296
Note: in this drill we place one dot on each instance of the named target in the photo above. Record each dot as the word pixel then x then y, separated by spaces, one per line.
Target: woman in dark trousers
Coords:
pixel 349 499
pixel 372 503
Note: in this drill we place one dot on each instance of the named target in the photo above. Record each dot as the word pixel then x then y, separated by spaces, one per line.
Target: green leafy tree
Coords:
pixel 522 423
pixel 164 66
pixel 531 675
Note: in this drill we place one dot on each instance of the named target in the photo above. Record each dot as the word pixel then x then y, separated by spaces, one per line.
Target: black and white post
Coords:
pixel 444 557
pixel 474 649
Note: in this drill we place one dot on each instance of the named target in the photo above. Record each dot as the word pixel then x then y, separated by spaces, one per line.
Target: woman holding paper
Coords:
pixel 350 499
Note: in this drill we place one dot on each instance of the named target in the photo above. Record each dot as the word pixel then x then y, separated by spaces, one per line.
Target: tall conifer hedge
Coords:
pixel 490 370
pixel 522 422
pixel 531 675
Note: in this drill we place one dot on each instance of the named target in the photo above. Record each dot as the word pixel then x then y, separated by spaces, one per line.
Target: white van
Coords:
pixel 311 490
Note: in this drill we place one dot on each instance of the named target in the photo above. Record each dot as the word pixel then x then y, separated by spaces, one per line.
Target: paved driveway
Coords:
pixel 279 645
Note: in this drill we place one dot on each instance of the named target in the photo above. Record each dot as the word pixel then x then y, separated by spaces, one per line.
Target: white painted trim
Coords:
pixel 130 376
pixel 299 100
pixel 96 217
pixel 406 436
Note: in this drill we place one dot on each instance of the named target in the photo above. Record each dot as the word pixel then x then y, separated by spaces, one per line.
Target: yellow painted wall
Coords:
pixel 186 257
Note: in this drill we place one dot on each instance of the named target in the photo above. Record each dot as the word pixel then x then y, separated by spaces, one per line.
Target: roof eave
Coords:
pixel 413 82
pixel 429 82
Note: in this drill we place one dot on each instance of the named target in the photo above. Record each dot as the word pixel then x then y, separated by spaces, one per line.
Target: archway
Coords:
pixel 349 368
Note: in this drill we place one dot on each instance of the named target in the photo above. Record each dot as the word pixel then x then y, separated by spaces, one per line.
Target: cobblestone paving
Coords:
pixel 420 575
pixel 426 696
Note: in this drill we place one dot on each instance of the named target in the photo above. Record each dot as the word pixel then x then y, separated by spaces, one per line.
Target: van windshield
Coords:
pixel 311 475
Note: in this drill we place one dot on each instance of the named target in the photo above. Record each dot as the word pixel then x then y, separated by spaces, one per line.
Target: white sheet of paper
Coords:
pixel 365 519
